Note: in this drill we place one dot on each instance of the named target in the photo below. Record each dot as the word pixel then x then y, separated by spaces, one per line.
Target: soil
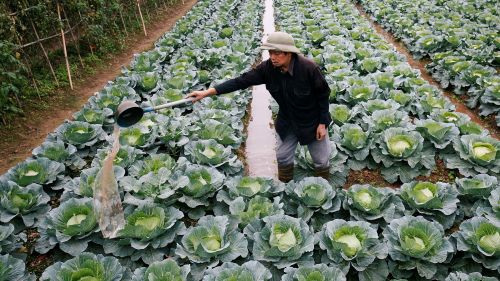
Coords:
pixel 29 131
pixel 439 174
pixel 367 176
pixel 488 122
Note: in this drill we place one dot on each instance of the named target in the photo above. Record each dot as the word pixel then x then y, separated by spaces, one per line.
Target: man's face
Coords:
pixel 279 58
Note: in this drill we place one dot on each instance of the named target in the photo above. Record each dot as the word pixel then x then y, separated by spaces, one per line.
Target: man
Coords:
pixel 302 93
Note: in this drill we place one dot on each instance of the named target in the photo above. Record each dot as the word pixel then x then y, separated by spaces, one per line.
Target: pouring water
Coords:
pixel 107 201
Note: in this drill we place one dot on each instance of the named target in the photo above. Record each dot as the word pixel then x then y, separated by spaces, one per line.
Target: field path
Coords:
pixel 261 139
pixel 30 130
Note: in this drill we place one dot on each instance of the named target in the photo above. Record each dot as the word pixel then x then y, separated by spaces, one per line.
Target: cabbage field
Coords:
pixel 191 211
pixel 460 37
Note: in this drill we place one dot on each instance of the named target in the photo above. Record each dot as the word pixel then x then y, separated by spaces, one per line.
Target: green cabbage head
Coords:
pixel 356 244
pixel 228 271
pixel 475 154
pixel 318 272
pixel 39 171
pixel 373 204
pixel 161 271
pixel 416 246
pixel 480 237
pixel 213 239
pixel 87 266
pixel 280 239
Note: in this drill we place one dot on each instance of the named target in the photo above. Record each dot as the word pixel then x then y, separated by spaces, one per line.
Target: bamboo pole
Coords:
pixel 12 14
pixel 73 38
pixel 27 62
pixel 137 19
pixel 46 38
pixel 30 73
pixel 123 21
pixel 64 47
pixel 44 52
pixel 142 19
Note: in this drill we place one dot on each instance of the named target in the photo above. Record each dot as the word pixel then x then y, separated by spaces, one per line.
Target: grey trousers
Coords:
pixel 319 150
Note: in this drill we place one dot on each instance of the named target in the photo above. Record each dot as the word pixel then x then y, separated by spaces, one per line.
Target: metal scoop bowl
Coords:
pixel 129 113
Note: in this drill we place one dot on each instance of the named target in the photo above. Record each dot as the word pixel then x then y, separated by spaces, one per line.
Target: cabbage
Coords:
pixel 416 241
pixel 149 230
pixel 70 226
pixel 313 273
pixel 29 202
pixel 162 270
pixel 309 196
pixel 354 244
pixel 14 269
pixel 87 266
pixel 474 154
pixel 39 171
pixel 373 204
pixel 249 271
pixel 212 239
pixel 403 154
pixel 209 152
pixel 437 201
pixel 481 238
pixel 80 134
pixel 280 239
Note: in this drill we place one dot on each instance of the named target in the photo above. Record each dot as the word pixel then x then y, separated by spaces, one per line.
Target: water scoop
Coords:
pixel 129 113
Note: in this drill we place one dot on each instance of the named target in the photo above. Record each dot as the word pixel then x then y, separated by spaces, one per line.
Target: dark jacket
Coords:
pixel 302 94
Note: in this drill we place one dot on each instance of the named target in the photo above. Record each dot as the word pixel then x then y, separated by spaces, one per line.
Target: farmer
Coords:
pixel 297 85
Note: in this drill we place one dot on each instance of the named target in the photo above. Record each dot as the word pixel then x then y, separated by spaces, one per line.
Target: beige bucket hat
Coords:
pixel 280 41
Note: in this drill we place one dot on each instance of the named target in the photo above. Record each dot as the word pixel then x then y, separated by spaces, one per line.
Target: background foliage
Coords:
pixel 98 28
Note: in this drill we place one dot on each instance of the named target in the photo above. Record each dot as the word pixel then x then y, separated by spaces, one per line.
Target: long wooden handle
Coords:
pixel 167 105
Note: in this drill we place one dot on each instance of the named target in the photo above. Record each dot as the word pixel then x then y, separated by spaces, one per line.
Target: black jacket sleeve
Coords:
pixel 322 91
pixel 247 79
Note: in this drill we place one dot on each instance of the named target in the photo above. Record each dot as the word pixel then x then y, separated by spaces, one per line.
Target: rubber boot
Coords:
pixel 322 172
pixel 285 173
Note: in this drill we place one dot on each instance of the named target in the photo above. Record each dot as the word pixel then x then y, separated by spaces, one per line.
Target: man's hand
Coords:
pixel 321 132
pixel 198 95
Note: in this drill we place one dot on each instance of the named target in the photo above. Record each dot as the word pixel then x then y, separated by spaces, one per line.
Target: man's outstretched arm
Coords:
pixel 247 79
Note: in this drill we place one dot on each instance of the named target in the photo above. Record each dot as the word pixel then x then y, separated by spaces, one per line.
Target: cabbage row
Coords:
pixel 260 229
pixel 192 215
pixel 461 38
pixel 386 116
pixel 176 155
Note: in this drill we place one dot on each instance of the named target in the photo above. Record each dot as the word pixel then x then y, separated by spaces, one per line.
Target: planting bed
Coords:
pixel 414 191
